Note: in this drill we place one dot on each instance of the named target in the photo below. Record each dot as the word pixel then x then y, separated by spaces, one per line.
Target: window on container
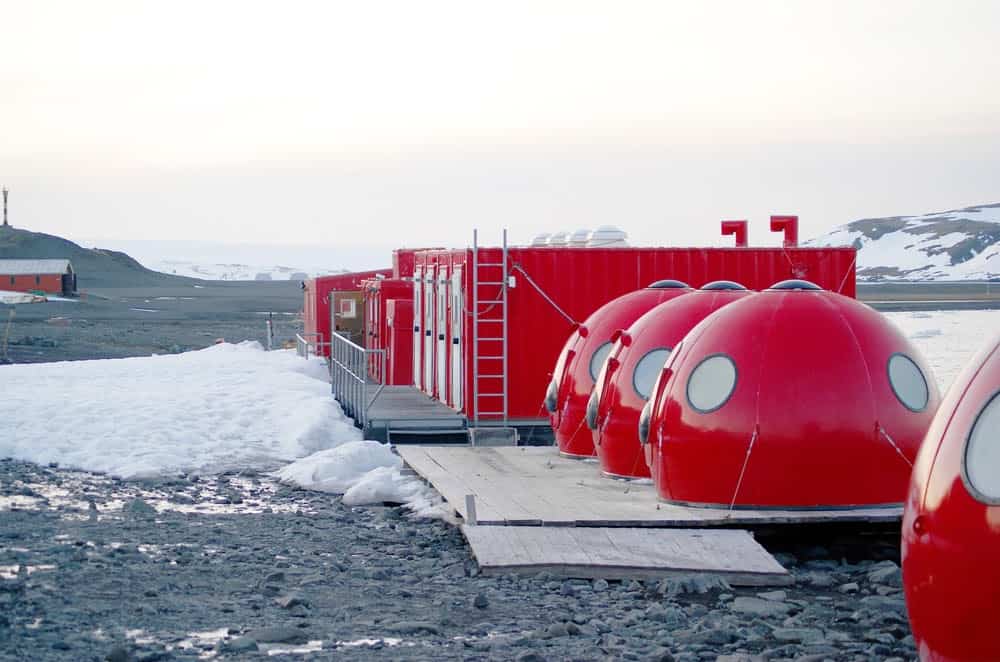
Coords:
pixel 908 383
pixel 647 369
pixel 13 280
pixel 982 454
pixel 597 360
pixel 38 280
pixel 711 383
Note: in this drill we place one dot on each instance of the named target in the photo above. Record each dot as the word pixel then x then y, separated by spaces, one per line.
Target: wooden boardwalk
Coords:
pixel 536 486
pixel 619 553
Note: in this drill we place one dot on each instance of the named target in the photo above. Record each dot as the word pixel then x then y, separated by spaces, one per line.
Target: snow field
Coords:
pixel 227 407
pixel 221 408
pixel 948 338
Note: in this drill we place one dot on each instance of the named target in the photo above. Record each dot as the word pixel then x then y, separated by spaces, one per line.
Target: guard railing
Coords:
pixel 353 386
pixel 309 344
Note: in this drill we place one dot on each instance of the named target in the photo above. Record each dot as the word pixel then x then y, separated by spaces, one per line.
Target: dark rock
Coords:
pixel 415 627
pixel 278 634
pixel 886 573
pixel 800 635
pixel 139 509
pixel 119 654
pixel 237 645
pixel 760 607
pixel 556 630
pixel 289 601
pixel 774 596
pixel 480 601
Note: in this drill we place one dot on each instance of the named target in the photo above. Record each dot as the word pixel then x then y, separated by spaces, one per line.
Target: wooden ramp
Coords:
pixel 404 414
pixel 621 553
pixel 536 486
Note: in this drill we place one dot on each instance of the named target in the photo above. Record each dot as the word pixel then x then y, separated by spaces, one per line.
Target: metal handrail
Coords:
pixel 304 342
pixel 352 385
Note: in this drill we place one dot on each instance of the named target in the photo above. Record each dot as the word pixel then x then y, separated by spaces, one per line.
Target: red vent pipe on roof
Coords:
pixel 738 228
pixel 790 226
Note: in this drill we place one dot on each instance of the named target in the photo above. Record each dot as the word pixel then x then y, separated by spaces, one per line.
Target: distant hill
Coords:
pixel 95 267
pixel 960 244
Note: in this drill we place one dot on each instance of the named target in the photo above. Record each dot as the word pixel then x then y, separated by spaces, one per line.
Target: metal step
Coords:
pixel 493 436
pixel 428 436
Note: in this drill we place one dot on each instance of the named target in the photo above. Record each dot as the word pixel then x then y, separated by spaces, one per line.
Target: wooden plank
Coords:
pixel 535 485
pixel 622 553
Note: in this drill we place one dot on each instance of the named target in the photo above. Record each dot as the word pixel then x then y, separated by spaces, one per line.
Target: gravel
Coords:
pixel 95 568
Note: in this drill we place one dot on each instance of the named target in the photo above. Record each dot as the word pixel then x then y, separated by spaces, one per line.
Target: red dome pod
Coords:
pixel 951 524
pixel 792 398
pixel 582 357
pixel 637 357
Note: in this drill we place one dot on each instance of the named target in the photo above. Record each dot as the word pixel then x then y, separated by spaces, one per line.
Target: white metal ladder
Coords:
pixel 489 327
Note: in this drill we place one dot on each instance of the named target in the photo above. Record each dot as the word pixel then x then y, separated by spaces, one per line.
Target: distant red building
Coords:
pixel 49 276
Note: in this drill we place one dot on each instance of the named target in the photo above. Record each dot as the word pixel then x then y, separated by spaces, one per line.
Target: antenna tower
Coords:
pixel 5 192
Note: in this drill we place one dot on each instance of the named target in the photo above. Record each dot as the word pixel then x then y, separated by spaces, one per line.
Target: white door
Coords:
pixel 428 331
pixel 457 317
pixel 417 327
pixel 441 332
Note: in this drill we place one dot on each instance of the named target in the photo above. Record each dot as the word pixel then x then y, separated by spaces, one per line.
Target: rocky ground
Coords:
pixel 138 321
pixel 239 567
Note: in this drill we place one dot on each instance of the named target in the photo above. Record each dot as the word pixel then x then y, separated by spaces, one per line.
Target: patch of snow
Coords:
pixel 12 298
pixel 338 469
pixel 221 408
pixel 366 473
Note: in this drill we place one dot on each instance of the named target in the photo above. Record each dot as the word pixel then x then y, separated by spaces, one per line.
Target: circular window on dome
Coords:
pixel 982 454
pixel 597 360
pixel 711 383
pixel 644 421
pixel 908 383
pixel 646 370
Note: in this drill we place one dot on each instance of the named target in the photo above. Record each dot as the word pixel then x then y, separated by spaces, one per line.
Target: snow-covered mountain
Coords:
pixel 961 244
pixel 233 271
pixel 233 261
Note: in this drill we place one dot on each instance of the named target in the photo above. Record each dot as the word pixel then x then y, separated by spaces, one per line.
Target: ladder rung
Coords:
pixel 491 395
pixel 491 301
pixel 490 264
pixel 490 282
pixel 492 339
pixel 491 358
pixel 489 320
pixel 491 376
pixel 491 413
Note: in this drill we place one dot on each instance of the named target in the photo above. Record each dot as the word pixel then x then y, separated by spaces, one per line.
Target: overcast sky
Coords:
pixel 413 122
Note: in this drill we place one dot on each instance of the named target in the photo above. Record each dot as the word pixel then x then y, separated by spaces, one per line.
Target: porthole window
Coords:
pixel 590 415
pixel 644 421
pixel 908 383
pixel 551 396
pixel 981 463
pixel 711 383
pixel 597 360
pixel 646 370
